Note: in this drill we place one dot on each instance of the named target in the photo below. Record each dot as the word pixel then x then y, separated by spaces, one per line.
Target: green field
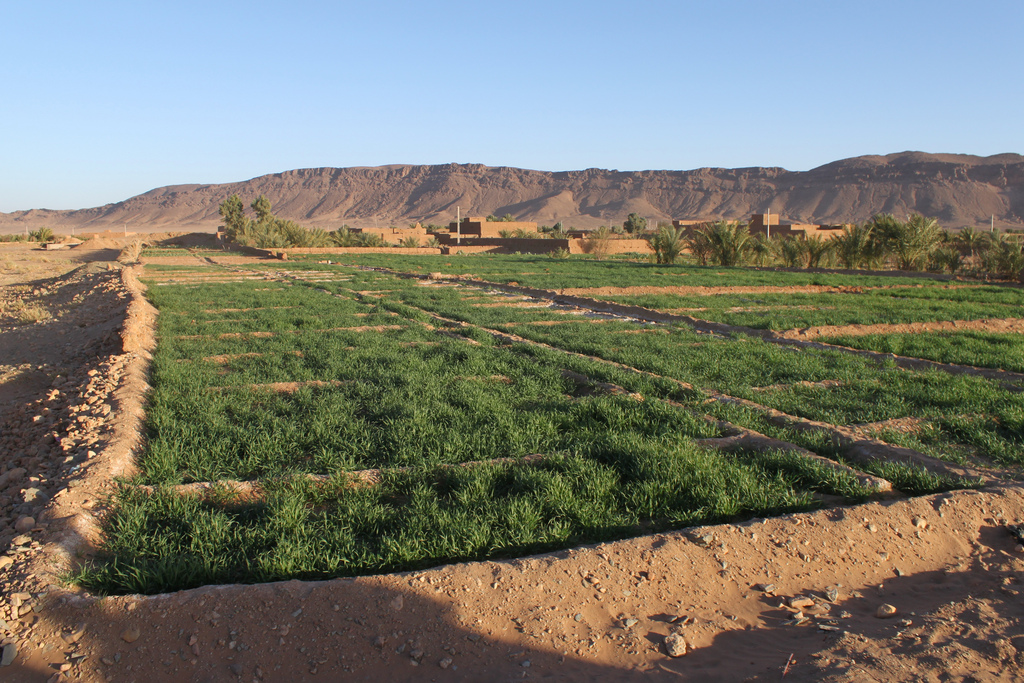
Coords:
pixel 333 370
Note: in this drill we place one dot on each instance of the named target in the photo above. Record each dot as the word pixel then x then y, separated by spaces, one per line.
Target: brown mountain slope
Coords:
pixel 957 189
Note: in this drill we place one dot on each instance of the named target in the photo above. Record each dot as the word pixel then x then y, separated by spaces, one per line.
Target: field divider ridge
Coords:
pixel 253 489
pixel 997 325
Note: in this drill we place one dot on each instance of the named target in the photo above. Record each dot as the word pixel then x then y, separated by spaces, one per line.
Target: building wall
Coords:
pixel 614 246
pixel 479 226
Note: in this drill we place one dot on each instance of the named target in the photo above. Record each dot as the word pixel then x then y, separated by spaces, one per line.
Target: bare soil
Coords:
pixel 946 563
pixel 705 291
pixel 999 325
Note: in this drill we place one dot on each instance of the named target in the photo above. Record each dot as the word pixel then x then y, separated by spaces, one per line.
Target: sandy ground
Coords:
pixel 793 598
pixel 997 325
pixel 681 290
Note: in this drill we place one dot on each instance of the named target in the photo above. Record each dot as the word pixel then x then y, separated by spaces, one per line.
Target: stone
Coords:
pixel 397 604
pixel 801 602
pixel 8 654
pixel 5 561
pixel 445 663
pixel 11 476
pixel 130 634
pixel 920 523
pixel 75 634
pixel 24 524
pixel 703 540
pixel 675 645
pixel 885 611
pixel 34 495
pixel 630 623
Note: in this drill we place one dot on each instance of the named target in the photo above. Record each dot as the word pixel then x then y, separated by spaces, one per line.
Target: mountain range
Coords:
pixel 957 189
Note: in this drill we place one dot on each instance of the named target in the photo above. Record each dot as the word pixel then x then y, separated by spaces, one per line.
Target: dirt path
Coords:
pixel 705 291
pixel 600 612
pixel 946 563
pixel 998 325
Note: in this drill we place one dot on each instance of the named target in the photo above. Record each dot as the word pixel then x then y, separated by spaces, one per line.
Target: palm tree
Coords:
pixel 818 249
pixel 728 241
pixel 696 242
pixel 668 244
pixel 910 241
pixel 42 235
pixel 853 246
pixel 371 239
pixel 344 237
pixel 1005 258
pixel 763 249
pixel 972 240
pixel 917 239
pixel 793 252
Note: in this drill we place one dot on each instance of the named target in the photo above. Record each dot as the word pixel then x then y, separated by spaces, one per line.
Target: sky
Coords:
pixel 105 100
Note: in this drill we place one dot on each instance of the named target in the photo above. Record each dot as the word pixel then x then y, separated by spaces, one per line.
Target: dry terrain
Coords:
pixel 898 589
pixel 958 189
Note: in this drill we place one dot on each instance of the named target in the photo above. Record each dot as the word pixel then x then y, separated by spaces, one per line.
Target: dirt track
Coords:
pixel 705 291
pixel 945 562
pixel 998 325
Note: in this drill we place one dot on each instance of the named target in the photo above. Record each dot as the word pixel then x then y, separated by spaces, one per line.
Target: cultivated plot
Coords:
pixel 313 420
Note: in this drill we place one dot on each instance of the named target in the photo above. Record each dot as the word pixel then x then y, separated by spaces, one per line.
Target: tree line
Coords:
pixel 883 242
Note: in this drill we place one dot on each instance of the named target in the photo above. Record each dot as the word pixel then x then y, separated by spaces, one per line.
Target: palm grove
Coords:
pixel 884 241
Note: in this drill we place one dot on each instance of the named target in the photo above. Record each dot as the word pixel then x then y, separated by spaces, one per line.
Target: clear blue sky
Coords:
pixel 105 100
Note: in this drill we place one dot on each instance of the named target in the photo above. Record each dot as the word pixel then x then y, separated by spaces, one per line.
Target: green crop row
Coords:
pixel 623 486
pixel 869 391
pixel 544 272
pixel 788 311
pixel 981 349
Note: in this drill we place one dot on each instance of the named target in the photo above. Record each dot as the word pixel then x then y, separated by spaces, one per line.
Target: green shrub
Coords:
pixel 635 224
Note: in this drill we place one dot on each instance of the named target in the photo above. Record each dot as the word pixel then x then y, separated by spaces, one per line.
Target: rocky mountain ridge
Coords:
pixel 957 189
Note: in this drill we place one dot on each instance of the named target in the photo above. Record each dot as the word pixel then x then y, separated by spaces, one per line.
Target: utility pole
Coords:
pixel 993 223
pixel 458 225
pixel 768 223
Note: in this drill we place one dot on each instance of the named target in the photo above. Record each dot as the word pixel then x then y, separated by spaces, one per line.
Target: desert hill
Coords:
pixel 957 189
